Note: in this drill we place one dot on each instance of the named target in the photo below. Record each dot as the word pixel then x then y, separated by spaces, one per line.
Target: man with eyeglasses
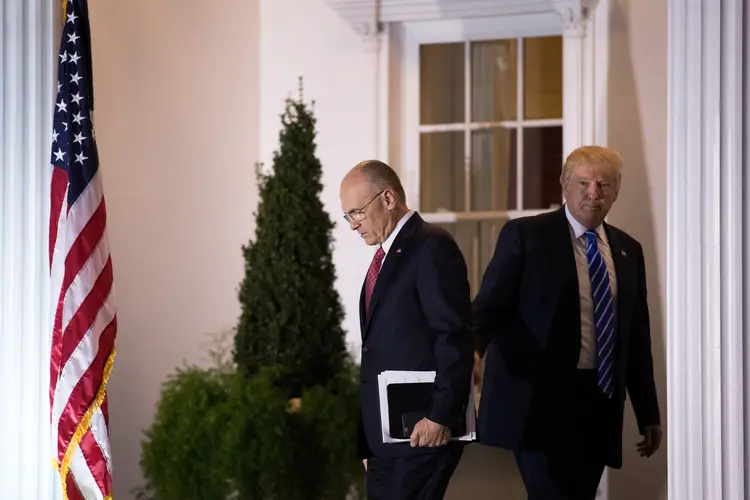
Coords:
pixel 415 312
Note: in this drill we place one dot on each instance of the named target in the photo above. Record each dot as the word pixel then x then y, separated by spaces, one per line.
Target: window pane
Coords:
pixel 542 162
pixel 441 83
pixel 493 169
pixel 494 70
pixel 442 178
pixel 542 77
pixel 477 240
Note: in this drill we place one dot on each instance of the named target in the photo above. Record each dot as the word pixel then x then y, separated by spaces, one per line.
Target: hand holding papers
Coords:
pixel 429 434
pixel 405 398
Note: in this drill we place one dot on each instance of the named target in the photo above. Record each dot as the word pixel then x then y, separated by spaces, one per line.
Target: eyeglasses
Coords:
pixel 359 215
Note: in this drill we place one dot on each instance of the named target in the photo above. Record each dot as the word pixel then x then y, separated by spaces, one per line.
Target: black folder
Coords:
pixel 408 404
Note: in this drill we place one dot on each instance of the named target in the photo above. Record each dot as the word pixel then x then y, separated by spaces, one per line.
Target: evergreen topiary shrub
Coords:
pixel 181 457
pixel 291 311
pixel 219 434
pixel 275 418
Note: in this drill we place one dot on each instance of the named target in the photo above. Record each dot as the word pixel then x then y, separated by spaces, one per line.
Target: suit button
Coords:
pixel 364 349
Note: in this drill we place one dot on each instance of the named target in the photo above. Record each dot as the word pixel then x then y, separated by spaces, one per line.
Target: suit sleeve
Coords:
pixel 363 449
pixel 640 371
pixel 498 295
pixel 444 294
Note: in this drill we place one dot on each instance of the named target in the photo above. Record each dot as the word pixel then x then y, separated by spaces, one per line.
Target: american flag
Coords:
pixel 85 322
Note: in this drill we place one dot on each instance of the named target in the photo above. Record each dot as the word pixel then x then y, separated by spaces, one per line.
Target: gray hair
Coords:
pixel 382 177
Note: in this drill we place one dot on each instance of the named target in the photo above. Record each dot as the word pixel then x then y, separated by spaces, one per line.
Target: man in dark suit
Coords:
pixel 415 312
pixel 563 317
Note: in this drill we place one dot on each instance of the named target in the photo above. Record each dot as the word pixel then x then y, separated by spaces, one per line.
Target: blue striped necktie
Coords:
pixel 604 317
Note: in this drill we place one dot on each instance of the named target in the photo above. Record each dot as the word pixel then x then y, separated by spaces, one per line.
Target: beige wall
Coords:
pixel 177 127
pixel 339 75
pixel 637 126
pixel 188 98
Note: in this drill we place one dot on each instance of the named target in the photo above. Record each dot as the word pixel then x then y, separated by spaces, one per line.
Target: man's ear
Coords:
pixel 390 199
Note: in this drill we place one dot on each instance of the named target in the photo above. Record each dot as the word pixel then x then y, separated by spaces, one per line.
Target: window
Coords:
pixel 477 110
pixel 490 141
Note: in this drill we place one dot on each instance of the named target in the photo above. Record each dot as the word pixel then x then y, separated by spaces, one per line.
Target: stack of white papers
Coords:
pixel 389 377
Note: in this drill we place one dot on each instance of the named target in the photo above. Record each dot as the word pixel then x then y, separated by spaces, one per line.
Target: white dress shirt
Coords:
pixel 388 243
pixel 587 358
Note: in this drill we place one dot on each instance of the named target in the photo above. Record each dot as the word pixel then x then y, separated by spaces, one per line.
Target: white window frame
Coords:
pixel 462 31
pixel 585 72
pixel 585 81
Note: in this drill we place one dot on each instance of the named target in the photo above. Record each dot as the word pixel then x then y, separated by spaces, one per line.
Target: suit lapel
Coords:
pixel 562 248
pixel 392 262
pixel 362 310
pixel 567 269
pixel 551 264
pixel 619 257
pixel 622 272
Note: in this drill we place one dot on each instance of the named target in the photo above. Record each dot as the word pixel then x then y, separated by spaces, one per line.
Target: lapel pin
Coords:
pixel 623 253
pixel 398 250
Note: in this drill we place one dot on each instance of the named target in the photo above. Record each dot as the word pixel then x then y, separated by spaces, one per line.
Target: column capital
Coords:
pixel 371 33
pixel 574 17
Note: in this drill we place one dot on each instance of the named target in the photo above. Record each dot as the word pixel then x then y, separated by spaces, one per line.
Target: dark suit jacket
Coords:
pixel 419 319
pixel 527 317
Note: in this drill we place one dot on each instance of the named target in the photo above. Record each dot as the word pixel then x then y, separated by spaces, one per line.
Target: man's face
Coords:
pixel 365 208
pixel 590 192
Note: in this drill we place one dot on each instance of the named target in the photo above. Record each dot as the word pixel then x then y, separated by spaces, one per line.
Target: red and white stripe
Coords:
pixel 83 336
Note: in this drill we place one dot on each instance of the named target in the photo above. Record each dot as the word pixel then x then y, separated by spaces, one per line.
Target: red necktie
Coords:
pixel 372 276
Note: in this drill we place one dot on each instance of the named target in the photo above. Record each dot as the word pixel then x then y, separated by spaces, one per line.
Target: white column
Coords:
pixel 573 79
pixel 382 97
pixel 585 73
pixel 706 219
pixel 29 38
